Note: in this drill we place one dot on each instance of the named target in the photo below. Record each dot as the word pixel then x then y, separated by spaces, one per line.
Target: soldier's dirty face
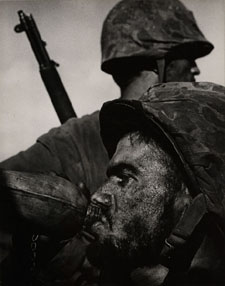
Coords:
pixel 140 188
pixel 181 70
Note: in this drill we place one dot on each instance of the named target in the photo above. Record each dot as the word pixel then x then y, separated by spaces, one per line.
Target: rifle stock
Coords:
pixel 49 74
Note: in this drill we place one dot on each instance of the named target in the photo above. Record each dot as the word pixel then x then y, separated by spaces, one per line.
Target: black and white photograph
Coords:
pixel 112 143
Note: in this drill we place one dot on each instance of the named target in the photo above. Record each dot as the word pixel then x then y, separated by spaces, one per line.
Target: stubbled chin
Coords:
pixel 105 235
pixel 113 250
pixel 107 245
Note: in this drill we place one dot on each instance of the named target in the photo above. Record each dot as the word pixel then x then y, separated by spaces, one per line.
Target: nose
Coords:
pixel 101 205
pixel 195 70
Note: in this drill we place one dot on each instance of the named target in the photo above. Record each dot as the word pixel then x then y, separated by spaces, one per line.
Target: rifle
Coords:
pixel 49 74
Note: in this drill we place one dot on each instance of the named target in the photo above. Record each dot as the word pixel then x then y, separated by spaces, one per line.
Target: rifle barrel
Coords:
pixel 49 74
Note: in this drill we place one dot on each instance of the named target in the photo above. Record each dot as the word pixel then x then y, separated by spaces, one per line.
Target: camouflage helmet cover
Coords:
pixel 149 29
pixel 191 117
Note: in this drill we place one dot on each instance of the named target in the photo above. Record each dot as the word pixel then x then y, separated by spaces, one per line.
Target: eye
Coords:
pixel 122 174
pixel 124 178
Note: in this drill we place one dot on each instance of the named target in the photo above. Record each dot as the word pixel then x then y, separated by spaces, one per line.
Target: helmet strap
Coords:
pixel 185 239
pixel 161 63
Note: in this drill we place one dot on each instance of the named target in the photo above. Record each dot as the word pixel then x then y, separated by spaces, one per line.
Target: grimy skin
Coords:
pixel 148 197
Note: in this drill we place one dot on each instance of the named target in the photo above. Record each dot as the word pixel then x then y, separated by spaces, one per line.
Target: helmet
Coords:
pixel 149 29
pixel 197 140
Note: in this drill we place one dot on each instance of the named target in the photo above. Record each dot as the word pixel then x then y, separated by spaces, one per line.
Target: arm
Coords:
pixel 61 152
pixel 73 151
pixel 37 158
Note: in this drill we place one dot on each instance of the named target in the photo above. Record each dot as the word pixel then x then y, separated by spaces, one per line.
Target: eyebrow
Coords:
pixel 117 168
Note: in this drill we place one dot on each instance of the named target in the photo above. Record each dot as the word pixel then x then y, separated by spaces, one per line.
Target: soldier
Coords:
pixel 143 43
pixel 164 187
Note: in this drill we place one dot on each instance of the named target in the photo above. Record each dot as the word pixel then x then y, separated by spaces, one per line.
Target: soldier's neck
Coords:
pixel 139 84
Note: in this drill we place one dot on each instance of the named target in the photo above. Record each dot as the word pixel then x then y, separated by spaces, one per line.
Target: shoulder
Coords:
pixel 74 127
pixel 86 122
